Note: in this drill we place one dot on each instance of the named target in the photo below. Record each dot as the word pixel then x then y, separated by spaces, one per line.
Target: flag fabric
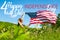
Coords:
pixel 48 15
pixel 32 14
pixel 41 17
pixel 35 21
pixel 33 18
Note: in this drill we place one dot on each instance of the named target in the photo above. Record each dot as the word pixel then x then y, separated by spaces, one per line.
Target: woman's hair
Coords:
pixel 20 20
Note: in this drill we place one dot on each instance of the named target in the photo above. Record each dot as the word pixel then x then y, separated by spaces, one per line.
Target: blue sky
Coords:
pixel 7 18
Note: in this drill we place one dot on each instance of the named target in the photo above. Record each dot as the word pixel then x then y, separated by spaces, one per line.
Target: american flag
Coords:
pixel 41 17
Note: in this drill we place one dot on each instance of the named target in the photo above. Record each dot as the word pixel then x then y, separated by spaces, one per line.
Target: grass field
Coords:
pixel 10 31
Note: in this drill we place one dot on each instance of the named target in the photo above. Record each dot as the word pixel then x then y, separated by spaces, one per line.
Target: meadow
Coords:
pixel 10 31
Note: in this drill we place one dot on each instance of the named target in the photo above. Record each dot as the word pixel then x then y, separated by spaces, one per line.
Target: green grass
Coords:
pixel 10 31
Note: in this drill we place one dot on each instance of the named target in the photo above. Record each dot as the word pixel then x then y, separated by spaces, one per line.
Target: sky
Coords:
pixel 26 19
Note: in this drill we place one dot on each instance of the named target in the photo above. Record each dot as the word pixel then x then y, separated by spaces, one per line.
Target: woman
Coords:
pixel 20 21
